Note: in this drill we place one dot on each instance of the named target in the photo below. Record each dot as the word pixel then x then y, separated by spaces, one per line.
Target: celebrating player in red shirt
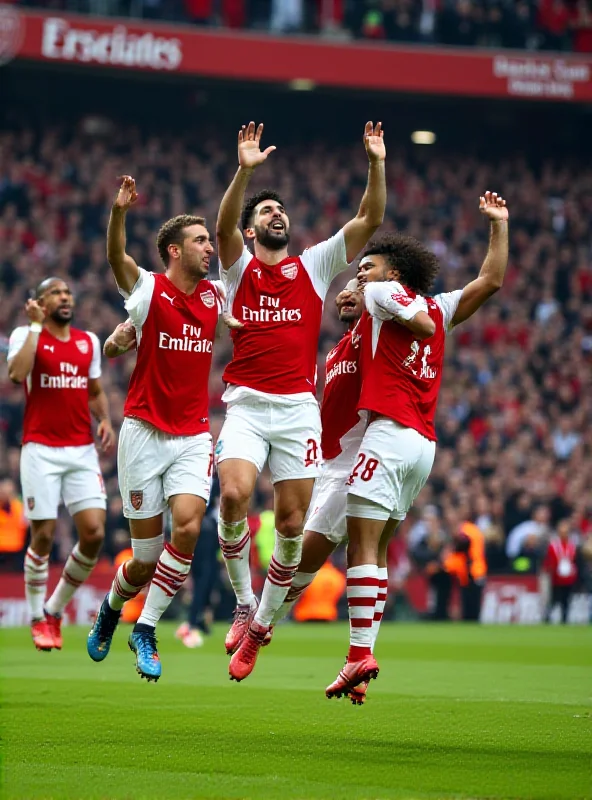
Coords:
pixel 272 412
pixel 60 367
pixel 400 392
pixel 165 447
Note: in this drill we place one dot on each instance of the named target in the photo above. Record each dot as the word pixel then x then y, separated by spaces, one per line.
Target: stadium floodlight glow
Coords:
pixel 302 85
pixel 423 137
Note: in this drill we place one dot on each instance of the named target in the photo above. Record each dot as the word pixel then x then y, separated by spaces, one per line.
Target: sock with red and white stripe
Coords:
pixel 302 581
pixel 122 589
pixel 282 570
pixel 36 574
pixel 362 596
pixel 170 573
pixel 235 543
pixel 76 570
pixel 380 602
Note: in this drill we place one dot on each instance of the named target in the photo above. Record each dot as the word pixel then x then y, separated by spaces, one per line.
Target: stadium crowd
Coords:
pixel 515 444
pixel 521 24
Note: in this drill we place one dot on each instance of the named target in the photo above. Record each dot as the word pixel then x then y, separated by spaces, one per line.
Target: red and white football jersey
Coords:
pixel 280 307
pixel 175 334
pixel 402 374
pixel 56 390
pixel 343 383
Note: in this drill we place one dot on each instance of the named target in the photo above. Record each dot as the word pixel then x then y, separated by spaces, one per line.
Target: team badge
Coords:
pixel 208 298
pixel 82 345
pixel 290 271
pixel 30 503
pixel 136 499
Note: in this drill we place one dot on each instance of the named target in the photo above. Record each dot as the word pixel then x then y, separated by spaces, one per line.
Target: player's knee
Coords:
pixel 184 535
pixel 42 536
pixel 93 534
pixel 233 499
pixel 289 523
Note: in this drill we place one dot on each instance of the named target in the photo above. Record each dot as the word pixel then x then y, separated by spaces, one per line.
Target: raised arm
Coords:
pixel 229 237
pixel 370 215
pixel 99 408
pixel 21 364
pixel 491 275
pixel 124 267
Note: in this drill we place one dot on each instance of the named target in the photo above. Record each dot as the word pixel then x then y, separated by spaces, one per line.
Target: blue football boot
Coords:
pixel 143 643
pixel 101 633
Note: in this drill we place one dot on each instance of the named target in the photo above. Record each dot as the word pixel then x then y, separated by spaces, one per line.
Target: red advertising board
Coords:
pixel 136 45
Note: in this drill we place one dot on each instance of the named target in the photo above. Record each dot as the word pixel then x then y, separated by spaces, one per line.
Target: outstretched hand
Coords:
pixel 374 141
pixel 127 194
pixel 250 154
pixel 34 311
pixel 494 207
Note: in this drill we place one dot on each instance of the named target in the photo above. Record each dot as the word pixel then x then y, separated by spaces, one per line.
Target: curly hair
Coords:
pixel 253 202
pixel 172 232
pixel 417 266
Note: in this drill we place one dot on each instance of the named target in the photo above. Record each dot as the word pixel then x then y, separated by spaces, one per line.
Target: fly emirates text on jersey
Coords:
pixel 271 311
pixel 190 341
pixel 68 378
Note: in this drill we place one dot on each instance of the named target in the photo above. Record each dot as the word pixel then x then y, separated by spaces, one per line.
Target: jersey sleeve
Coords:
pixel 389 300
pixel 230 278
pixel 17 340
pixel 137 302
pixel 94 370
pixel 448 303
pixel 324 261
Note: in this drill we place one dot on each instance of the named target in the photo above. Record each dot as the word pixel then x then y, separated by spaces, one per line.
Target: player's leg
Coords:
pixel 143 456
pixel 387 534
pixel 84 495
pixel 241 452
pixel 294 435
pixel 41 483
pixel 186 484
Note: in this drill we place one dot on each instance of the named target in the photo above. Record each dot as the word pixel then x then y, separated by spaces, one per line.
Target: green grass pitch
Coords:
pixel 456 712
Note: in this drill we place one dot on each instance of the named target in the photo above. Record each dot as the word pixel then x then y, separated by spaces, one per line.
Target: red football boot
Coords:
pixel 352 674
pixel 243 661
pixel 41 633
pixel 55 628
pixel 243 616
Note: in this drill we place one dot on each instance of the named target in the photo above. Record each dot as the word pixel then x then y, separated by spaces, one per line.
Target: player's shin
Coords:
pixel 36 573
pixel 282 570
pixel 302 580
pixel 235 543
pixel 170 574
pixel 76 570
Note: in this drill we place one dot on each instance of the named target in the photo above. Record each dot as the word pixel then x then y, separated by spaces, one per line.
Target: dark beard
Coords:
pixel 59 320
pixel 271 241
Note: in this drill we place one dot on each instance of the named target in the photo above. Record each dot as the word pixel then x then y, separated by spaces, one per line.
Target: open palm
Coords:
pixel 250 154
pixel 374 141
pixel 494 207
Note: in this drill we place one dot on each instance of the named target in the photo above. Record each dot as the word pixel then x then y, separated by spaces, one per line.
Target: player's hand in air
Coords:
pixel 494 206
pixel 34 311
pixel 106 435
pixel 250 154
pixel 374 141
pixel 127 194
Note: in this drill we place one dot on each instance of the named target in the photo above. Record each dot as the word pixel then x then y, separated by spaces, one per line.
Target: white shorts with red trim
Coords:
pixel 288 434
pixel 50 475
pixel 153 466
pixel 392 467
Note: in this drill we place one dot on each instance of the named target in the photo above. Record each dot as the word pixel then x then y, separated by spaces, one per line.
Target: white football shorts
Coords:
pixel 288 434
pixel 50 475
pixel 153 466
pixel 392 466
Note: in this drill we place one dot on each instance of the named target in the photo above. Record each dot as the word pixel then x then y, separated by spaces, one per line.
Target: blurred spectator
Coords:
pixel 581 24
pixel 466 563
pixel 428 555
pixel 13 526
pixel 553 22
pixel 525 540
pixel 561 564
pixel 318 602
pixel 286 16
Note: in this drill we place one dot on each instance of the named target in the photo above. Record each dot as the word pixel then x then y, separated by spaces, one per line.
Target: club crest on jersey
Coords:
pixel 290 271
pixel 30 503
pixel 208 298
pixel 136 499
pixel 82 345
